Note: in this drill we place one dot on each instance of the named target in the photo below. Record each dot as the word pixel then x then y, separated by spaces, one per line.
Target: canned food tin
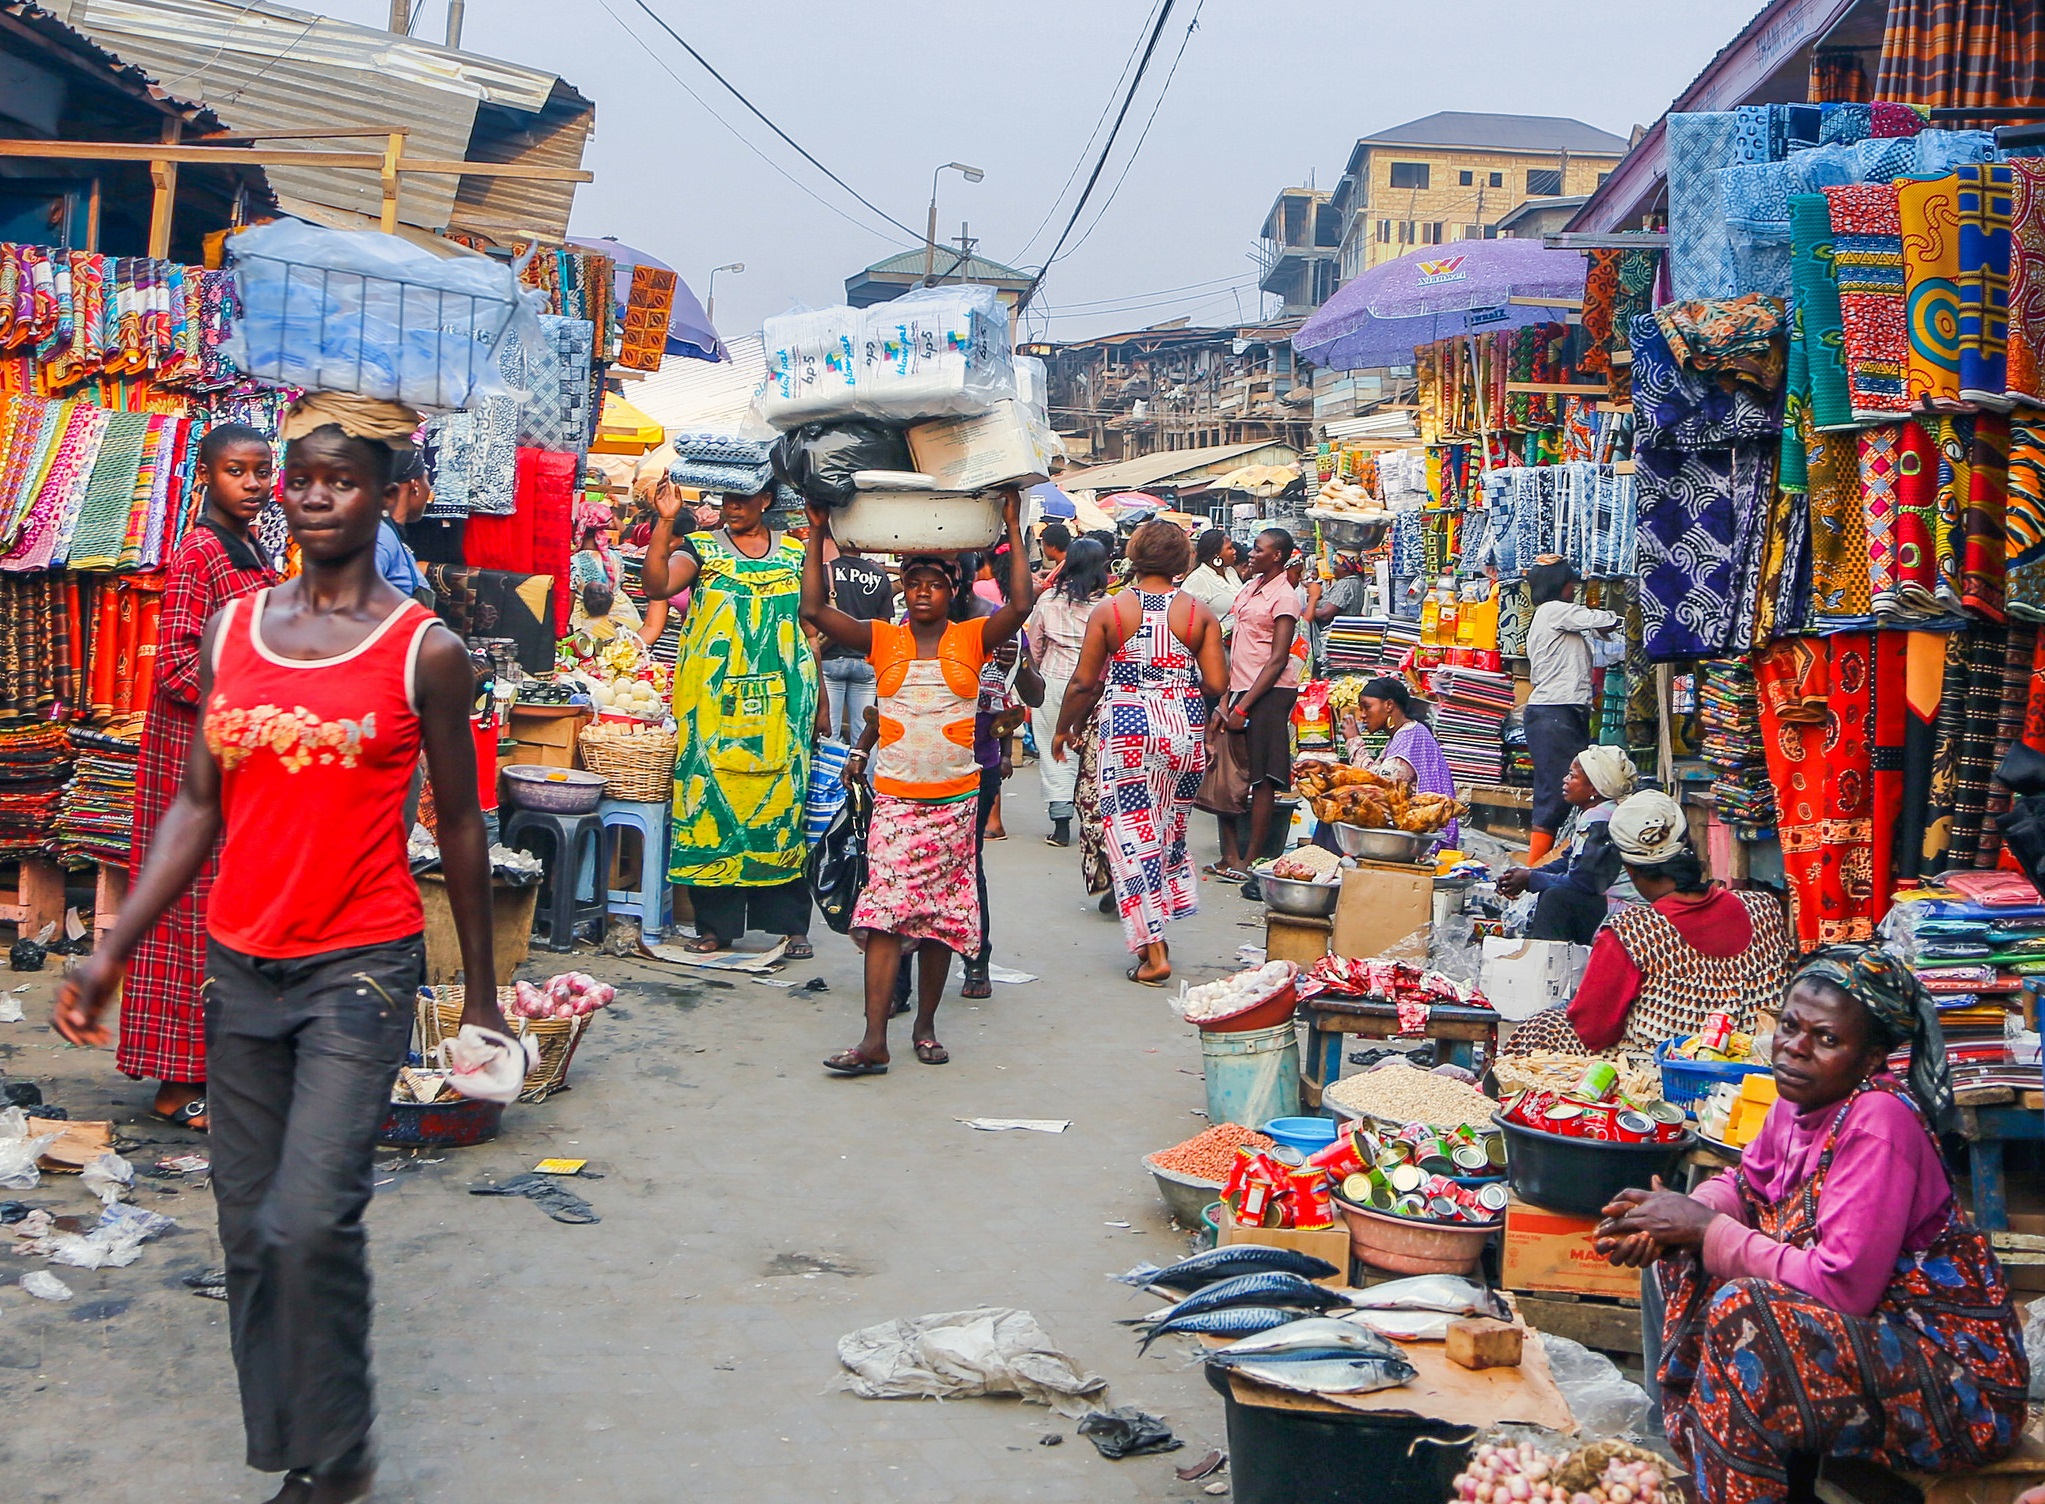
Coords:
pixel 1359 1189
pixel 1491 1198
pixel 1716 1033
pixel 1560 1117
pixel 1414 1205
pixel 1438 1185
pixel 1597 1123
pixel 1341 1159
pixel 1471 1159
pixel 1666 1113
pixel 1494 1150
pixel 1286 1155
pixel 1668 1133
pixel 1311 1207
pixel 1600 1080
pixel 1406 1179
pixel 1256 1203
pixel 1633 1127
pixel 1442 1208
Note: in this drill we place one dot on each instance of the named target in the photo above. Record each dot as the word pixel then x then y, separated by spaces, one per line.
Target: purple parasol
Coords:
pixel 1379 317
pixel 688 327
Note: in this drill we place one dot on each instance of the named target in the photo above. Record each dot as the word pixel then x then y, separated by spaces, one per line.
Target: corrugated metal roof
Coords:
pixel 1500 133
pixel 948 264
pixel 703 395
pixel 1149 469
pixel 264 66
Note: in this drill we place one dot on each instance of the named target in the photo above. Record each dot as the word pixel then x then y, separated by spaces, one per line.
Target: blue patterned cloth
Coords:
pixel 1701 261
pixel 1675 407
pixel 1845 122
pixel 721 449
pixel 738 480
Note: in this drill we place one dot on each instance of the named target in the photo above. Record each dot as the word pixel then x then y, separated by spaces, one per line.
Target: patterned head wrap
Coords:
pixel 1896 1000
pixel 388 423
pixel 1609 769
pixel 1648 828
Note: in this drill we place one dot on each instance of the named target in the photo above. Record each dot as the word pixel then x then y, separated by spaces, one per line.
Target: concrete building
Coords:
pixel 1454 175
pixel 1301 244
pixel 888 279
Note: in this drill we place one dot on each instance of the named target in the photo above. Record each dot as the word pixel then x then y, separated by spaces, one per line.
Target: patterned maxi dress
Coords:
pixel 1150 755
pixel 163 1021
pixel 745 697
pixel 1753 1370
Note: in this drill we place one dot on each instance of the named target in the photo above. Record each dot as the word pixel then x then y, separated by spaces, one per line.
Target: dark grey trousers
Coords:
pixel 301 1055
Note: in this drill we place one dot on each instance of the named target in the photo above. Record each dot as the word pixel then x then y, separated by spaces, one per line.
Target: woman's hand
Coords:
pixel 667 500
pixel 854 769
pixel 1059 744
pixel 819 518
pixel 1513 882
pixel 1669 1218
pixel 82 997
pixel 1235 718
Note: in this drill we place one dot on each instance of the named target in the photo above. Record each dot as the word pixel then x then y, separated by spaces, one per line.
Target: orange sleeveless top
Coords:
pixel 926 710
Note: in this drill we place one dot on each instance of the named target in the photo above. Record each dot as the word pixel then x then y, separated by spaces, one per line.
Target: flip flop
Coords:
pixel 185 1117
pixel 852 1063
pixel 704 945
pixel 930 1052
pixel 799 950
pixel 1143 981
pixel 1226 874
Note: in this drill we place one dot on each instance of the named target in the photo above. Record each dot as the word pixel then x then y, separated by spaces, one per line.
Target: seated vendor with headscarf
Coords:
pixel 1827 1298
pixel 1576 881
pixel 1659 966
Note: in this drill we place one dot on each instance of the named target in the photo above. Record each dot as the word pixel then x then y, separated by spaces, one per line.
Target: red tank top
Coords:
pixel 316 758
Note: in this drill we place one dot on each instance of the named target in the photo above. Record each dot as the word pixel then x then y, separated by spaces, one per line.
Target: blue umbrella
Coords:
pixel 688 327
pixel 1052 502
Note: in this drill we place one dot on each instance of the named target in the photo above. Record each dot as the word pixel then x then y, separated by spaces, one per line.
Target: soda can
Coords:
pixel 1406 1179
pixel 1438 1185
pixel 1600 1080
pixel 1597 1124
pixel 1341 1159
pixel 1634 1127
pixel 1471 1159
pixel 1312 1209
pixel 1532 1106
pixel 1716 1033
pixel 1665 1113
pixel 1491 1198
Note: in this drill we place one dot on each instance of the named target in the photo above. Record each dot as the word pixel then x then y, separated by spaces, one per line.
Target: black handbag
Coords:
pixel 837 862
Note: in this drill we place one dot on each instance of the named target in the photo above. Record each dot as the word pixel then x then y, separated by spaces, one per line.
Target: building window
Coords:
pixel 1498 180
pixel 1384 232
pixel 1601 178
pixel 1409 174
pixel 1405 232
pixel 1544 181
pixel 1473 232
pixel 1465 179
pixel 1430 234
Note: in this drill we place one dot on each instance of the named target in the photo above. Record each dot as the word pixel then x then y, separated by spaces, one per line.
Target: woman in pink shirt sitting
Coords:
pixel 1828 1298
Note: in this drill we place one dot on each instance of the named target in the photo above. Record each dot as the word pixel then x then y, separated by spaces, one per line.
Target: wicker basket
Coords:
pixel 440 1015
pixel 637 763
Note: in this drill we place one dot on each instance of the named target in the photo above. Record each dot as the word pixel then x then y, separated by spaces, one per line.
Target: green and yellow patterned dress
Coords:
pixel 745 695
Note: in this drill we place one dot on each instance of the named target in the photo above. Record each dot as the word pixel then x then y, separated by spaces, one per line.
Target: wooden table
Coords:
pixel 1987 1130
pixel 1329 1017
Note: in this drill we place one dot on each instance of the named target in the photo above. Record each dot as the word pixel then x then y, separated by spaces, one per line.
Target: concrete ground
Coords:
pixel 754 1211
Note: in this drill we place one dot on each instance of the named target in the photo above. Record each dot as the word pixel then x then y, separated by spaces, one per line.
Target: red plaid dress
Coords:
pixel 163 1020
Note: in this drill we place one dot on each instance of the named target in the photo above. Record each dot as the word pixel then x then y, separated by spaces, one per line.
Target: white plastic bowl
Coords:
pixel 916 522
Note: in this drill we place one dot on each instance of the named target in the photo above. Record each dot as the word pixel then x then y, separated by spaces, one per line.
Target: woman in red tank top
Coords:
pixel 317 698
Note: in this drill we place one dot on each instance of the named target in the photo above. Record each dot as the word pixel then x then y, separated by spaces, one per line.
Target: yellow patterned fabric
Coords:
pixel 745 698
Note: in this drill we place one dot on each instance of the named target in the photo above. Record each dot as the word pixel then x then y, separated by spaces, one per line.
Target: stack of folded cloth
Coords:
pixel 1728 703
pixel 721 462
pixel 99 804
pixel 34 764
pixel 1471 706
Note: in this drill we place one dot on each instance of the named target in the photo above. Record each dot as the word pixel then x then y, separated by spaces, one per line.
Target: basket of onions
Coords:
pixel 554 1014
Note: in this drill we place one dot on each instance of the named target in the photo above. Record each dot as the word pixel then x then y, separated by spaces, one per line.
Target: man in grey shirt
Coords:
pixel 1558 712
pixel 1345 595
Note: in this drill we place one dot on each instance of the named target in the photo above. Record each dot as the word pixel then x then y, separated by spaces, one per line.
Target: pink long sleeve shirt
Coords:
pixel 1886 1194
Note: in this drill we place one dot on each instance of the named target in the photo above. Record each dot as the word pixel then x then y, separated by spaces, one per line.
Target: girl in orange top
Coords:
pixel 920 891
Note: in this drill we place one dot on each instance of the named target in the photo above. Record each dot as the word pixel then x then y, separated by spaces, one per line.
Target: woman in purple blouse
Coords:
pixel 1828 1297
pixel 1413 756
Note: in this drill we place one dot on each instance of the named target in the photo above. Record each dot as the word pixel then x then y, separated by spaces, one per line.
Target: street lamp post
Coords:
pixel 710 293
pixel 971 175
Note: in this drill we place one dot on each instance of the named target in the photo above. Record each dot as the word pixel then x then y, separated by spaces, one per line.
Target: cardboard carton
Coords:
pixel 1381 904
pixel 1555 1251
pixel 1329 1243
pixel 1000 447
pixel 1524 977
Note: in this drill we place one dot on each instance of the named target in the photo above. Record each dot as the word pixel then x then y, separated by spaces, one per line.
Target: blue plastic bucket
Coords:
pixel 1308 1135
pixel 1252 1077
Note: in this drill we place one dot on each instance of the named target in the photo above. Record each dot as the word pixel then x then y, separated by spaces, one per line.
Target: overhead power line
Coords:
pixel 1100 163
pixel 762 117
pixel 1137 150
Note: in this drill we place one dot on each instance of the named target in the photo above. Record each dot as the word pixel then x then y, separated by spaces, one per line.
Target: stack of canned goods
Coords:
pixel 1276 1187
pixel 1595 1110
pixel 1419 1172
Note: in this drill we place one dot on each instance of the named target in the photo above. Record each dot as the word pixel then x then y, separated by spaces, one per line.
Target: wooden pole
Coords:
pixel 393 152
pixel 163 175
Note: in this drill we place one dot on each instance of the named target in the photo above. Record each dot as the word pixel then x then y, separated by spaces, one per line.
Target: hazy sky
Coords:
pixel 1266 96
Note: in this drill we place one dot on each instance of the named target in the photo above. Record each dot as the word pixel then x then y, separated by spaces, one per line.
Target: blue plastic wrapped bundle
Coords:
pixel 743 480
pixel 371 314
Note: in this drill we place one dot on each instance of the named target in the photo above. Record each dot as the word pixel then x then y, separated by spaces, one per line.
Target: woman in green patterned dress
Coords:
pixel 745 698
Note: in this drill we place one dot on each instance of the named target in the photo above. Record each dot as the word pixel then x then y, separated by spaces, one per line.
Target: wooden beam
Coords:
pixel 1616 240
pixel 225 138
pixel 393 153
pixel 237 156
pixel 163 179
pixel 1576 303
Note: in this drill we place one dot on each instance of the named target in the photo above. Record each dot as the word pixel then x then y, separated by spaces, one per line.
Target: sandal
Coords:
pixel 798 948
pixel 930 1052
pixel 976 985
pixel 1226 873
pixel 852 1063
pixel 184 1117
pixel 704 945
pixel 1134 974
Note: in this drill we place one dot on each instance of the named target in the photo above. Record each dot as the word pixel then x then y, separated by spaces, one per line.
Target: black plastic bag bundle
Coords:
pixel 820 459
pixel 837 863
pixel 2023 828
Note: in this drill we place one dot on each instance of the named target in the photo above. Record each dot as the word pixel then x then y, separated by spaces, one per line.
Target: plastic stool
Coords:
pixel 652 900
pixel 572 848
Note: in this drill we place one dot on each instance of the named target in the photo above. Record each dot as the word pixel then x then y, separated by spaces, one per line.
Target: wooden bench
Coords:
pixel 1329 1016
pixel 37 898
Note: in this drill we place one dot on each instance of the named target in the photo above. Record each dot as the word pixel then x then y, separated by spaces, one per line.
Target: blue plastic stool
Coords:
pixel 573 849
pixel 653 900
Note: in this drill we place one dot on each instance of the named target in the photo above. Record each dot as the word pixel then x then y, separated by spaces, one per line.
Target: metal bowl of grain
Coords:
pixel 1288 895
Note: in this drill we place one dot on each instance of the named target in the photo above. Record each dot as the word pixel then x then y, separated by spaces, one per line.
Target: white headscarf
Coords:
pixel 1609 769
pixel 1649 828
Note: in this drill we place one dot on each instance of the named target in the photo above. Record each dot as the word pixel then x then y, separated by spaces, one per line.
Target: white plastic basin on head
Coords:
pixel 896 522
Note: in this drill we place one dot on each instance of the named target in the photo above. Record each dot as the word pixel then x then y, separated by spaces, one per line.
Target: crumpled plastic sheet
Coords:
pixel 1605 1403
pixel 107 1176
pixel 2034 1345
pixel 990 1350
pixel 19 1151
pixel 115 1242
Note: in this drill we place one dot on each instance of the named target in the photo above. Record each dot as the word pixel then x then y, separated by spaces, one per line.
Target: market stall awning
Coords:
pixel 688 327
pixel 624 429
pixel 1260 478
pixel 1382 316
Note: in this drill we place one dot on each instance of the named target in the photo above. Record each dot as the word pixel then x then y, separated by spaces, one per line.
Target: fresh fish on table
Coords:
pixel 1320 1333
pixel 1218 1264
pixel 1450 1293
pixel 1231 1321
pixel 1403 1326
pixel 1257 1290
pixel 1318 1356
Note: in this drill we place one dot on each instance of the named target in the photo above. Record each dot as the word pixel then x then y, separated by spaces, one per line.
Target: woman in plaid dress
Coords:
pixel 163 1020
